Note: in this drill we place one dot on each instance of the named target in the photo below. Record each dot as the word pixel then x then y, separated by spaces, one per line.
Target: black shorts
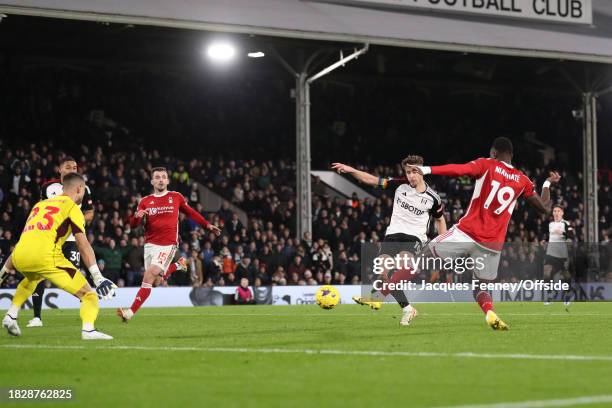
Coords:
pixel 72 253
pixel 393 244
pixel 558 264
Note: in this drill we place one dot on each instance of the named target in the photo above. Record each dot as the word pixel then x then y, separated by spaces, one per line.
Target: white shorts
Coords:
pixel 454 243
pixel 158 255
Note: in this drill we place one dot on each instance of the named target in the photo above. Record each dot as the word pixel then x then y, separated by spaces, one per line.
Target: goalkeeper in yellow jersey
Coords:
pixel 38 255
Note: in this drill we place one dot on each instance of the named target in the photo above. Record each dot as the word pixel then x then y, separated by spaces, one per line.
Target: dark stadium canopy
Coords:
pixel 349 23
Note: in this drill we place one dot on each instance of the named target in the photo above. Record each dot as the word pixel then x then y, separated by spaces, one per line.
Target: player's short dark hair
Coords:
pixel 413 159
pixel 154 169
pixel 66 159
pixel 503 145
pixel 71 179
pixel 558 206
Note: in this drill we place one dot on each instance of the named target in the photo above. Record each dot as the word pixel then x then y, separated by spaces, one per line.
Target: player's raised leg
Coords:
pixel 376 299
pixel 24 290
pixel 157 259
pixel 180 265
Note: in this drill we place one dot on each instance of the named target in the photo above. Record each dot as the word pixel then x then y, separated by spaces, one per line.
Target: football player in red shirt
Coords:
pixel 159 212
pixel 481 232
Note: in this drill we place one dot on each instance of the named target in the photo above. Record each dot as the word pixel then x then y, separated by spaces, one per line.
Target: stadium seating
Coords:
pixel 266 191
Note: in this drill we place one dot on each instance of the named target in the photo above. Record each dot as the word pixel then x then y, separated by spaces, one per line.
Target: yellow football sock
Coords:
pixel 89 309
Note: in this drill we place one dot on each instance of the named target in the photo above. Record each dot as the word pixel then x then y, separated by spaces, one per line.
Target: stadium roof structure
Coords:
pixel 376 22
pixel 350 23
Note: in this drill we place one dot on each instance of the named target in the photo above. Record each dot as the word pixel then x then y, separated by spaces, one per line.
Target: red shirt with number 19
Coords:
pixel 498 185
pixel 161 221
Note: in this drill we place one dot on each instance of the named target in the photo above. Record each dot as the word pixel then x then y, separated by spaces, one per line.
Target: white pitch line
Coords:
pixel 332 314
pixel 568 402
pixel 196 315
pixel 563 357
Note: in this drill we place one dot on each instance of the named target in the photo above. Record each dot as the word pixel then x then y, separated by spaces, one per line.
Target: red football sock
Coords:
pixel 484 301
pixel 141 296
pixel 399 275
pixel 171 269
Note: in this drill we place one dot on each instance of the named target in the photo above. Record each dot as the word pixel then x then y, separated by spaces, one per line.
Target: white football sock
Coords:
pixel 13 311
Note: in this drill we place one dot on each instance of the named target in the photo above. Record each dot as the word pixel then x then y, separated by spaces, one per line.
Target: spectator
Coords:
pixel 134 262
pixel 266 191
pixel 196 269
pixel 244 270
pixel 244 294
pixel 194 195
pixel 234 225
pixel 214 270
pixel 112 257
pixel 296 267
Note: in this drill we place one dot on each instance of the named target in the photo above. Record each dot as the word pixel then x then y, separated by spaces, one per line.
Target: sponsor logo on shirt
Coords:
pixel 160 210
pixel 410 207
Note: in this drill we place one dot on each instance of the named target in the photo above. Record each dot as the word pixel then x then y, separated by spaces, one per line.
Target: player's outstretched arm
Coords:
pixel 474 168
pixel 543 203
pixel 361 176
pixel 197 217
pixel 104 287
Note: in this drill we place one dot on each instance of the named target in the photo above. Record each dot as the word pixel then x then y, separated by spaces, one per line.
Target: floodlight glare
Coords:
pixel 257 54
pixel 221 52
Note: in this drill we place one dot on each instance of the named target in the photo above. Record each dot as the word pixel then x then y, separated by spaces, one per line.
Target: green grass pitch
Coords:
pixel 303 356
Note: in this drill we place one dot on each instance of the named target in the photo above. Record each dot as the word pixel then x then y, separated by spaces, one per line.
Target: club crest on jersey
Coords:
pixel 170 200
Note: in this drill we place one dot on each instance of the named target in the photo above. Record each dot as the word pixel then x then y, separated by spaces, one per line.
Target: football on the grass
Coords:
pixel 327 297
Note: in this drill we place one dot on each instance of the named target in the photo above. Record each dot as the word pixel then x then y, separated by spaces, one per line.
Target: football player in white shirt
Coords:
pixel 556 260
pixel 414 205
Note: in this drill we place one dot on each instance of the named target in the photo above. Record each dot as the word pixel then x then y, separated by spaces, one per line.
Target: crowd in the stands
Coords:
pixel 265 249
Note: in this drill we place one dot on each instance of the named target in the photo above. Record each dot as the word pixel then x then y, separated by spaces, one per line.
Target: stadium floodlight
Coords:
pixel 221 51
pixel 257 54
